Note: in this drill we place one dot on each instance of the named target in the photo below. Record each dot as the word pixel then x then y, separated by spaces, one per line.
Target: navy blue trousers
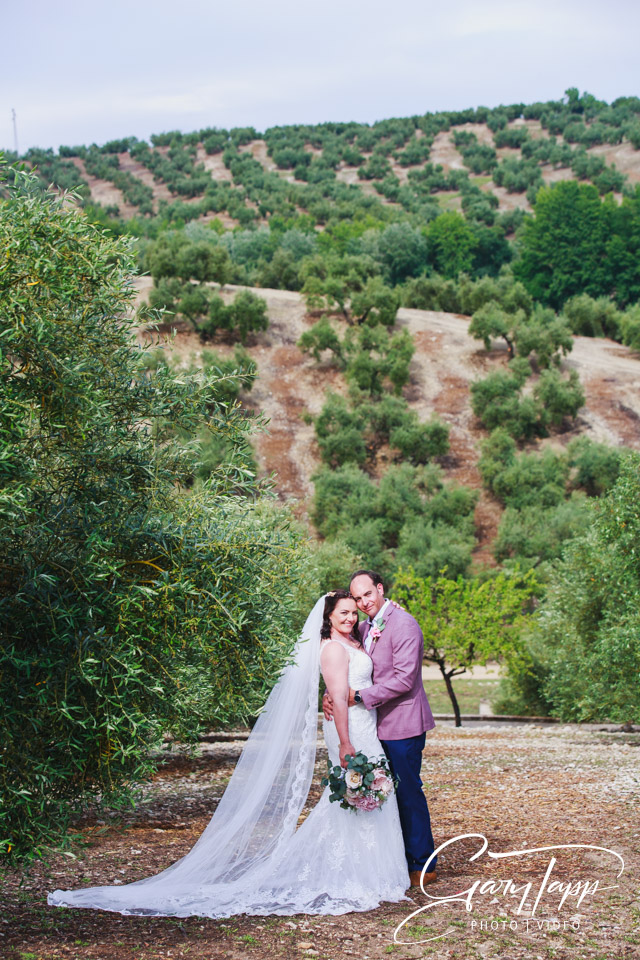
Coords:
pixel 405 760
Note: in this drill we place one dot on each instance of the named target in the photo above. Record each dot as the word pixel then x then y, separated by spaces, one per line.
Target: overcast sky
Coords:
pixel 79 72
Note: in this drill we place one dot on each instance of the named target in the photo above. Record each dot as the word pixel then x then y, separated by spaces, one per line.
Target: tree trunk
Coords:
pixel 450 691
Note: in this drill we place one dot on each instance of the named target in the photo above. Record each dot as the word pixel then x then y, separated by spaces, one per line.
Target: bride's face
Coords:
pixel 344 616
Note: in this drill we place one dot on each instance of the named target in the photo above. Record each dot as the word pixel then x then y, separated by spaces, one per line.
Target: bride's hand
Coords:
pixel 346 749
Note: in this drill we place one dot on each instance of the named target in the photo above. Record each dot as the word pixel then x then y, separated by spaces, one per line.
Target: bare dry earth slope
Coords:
pixel 446 361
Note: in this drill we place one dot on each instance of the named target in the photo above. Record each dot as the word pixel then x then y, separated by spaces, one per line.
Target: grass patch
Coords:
pixel 480 181
pixel 469 691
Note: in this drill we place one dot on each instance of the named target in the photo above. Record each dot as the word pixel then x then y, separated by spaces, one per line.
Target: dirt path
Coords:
pixel 520 787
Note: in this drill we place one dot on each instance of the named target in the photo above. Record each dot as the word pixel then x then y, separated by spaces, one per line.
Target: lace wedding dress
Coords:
pixel 251 858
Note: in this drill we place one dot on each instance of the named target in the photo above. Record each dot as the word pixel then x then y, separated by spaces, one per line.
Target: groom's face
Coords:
pixel 368 595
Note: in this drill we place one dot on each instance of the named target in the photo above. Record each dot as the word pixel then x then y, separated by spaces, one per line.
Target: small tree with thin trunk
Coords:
pixel 466 621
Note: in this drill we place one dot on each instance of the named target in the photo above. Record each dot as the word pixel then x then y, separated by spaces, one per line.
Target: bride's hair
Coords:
pixel 331 602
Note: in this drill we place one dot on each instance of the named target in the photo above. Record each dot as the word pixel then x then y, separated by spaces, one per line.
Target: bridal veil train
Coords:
pixel 251 858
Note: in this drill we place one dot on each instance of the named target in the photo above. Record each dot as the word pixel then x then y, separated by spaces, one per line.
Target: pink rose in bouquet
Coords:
pixel 380 778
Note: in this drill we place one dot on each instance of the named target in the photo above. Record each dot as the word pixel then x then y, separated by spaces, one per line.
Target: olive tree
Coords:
pixel 128 608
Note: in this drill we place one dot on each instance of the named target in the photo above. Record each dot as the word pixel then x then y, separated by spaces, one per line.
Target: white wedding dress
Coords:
pixel 251 858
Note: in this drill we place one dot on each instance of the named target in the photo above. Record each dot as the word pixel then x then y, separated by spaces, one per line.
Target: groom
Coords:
pixel 393 639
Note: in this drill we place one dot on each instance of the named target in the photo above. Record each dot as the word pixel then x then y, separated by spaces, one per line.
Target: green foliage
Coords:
pixel 587 635
pixel 559 397
pixel 630 327
pixel 595 466
pixel 544 493
pixel 402 251
pixel 467 296
pixel 538 533
pixel 590 317
pixel 105 164
pixel 524 480
pixel 517 175
pixel 376 303
pixel 376 359
pixel 127 608
pixel 450 244
pixel 52 169
pixel 246 314
pixel 340 432
pixel 511 137
pixel 410 516
pixel 466 621
pixel 491 322
pixel 545 336
pixel 578 244
pixel 319 338
pixel 354 432
pixel 420 442
pixel 498 402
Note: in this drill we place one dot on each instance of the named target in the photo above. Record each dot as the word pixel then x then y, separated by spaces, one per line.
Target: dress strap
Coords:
pixel 346 646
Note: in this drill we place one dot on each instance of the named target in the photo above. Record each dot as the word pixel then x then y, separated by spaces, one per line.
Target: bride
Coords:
pixel 251 858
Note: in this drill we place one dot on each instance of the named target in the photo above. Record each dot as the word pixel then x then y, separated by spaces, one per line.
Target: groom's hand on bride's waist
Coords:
pixel 327 706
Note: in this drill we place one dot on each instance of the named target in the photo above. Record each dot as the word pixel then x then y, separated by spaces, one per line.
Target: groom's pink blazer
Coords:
pixel 397 691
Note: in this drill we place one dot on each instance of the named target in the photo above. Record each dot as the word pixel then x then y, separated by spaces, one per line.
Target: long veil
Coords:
pixel 247 835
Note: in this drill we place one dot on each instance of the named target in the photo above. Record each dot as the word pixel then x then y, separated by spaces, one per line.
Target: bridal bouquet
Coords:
pixel 363 785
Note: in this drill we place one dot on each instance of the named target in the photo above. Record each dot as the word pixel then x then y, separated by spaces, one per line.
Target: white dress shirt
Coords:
pixel 368 642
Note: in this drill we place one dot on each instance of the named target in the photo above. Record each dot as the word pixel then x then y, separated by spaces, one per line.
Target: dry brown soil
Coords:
pixel 105 192
pixel 521 787
pixel 446 361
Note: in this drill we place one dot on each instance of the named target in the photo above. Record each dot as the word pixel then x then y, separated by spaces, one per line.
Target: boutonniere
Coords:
pixel 376 629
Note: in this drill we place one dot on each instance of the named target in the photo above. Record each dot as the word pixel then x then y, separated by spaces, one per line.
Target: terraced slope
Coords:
pixel 402 165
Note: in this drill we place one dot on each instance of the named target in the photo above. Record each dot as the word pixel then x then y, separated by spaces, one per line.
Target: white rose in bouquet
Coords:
pixel 353 779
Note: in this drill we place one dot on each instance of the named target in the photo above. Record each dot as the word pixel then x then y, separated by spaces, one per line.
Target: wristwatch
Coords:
pixel 357 697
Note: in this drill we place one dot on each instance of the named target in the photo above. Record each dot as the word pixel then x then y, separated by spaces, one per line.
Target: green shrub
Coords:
pixel 127 609
pixel 165 294
pixel 319 338
pixel 374 358
pixel 595 466
pixel 247 314
pixel 537 533
pixel 544 335
pixel 587 634
pixel 194 302
pixel 340 432
pixel 380 520
pixel 375 304
pixel 530 479
pixel 354 432
pixel 421 442
pixel 591 317
pixel 497 401
pixel 630 327
pixel 558 396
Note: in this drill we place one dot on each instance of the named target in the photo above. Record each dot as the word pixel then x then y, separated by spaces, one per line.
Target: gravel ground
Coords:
pixel 520 787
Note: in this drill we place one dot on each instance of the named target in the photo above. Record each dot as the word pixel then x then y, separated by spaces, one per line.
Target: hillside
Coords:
pixel 446 159
pixel 444 216
pixel 446 361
